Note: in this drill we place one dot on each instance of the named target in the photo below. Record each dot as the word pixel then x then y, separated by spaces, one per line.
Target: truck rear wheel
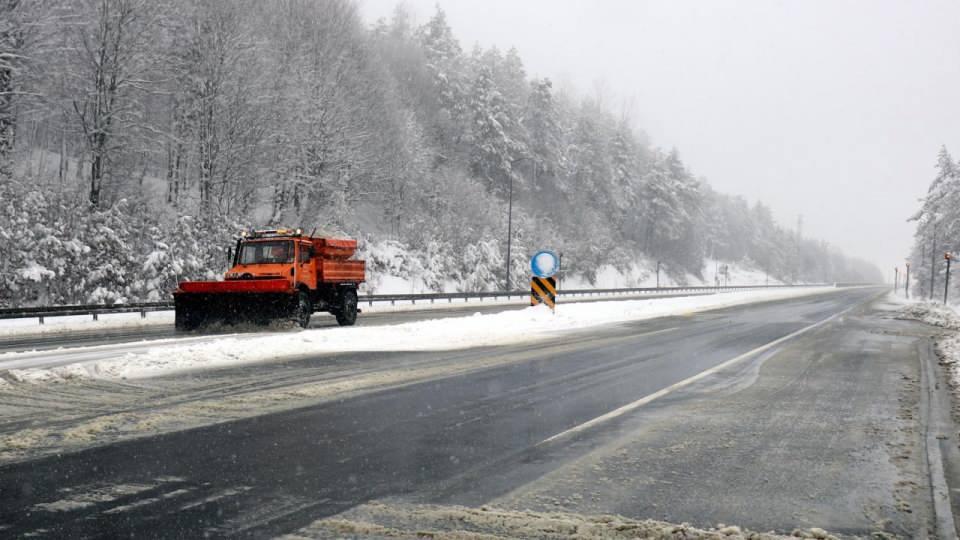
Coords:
pixel 347 313
pixel 303 309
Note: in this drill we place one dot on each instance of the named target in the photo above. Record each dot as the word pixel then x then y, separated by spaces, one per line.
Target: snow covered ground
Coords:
pixel 642 273
pixel 948 345
pixel 399 520
pixel 531 324
pixel 114 321
pixel 73 323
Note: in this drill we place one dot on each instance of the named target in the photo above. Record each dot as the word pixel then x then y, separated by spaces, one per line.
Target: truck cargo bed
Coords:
pixel 333 271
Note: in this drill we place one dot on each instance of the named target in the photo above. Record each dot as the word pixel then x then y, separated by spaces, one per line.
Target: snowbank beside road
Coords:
pixel 478 330
pixel 948 346
pixel 398 520
pixel 30 326
pixel 930 313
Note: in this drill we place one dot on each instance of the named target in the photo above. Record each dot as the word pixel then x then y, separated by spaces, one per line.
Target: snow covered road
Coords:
pixel 168 356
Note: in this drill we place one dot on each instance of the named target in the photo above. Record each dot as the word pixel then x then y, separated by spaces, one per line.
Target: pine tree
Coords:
pixel 444 61
pixel 541 120
pixel 938 221
pixel 493 150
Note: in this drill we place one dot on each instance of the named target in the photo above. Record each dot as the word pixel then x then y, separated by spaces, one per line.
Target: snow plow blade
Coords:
pixel 205 303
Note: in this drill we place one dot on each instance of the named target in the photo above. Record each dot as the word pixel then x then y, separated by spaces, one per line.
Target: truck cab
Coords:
pixel 274 258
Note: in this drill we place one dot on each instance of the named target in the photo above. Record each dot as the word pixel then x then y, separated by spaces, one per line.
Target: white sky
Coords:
pixel 830 109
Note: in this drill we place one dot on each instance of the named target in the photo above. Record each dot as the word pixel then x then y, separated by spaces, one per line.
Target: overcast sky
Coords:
pixel 830 109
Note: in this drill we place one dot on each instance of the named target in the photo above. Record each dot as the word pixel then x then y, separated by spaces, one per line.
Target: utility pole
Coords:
pixel 906 282
pixel 896 279
pixel 559 270
pixel 933 259
pixel 658 274
pixel 946 281
pixel 509 230
pixel 923 257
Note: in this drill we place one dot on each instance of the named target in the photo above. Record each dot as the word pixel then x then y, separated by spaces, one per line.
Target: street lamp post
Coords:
pixel 658 274
pixel 896 279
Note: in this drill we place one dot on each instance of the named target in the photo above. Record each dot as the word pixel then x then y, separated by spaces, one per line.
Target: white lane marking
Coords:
pixel 230 492
pixel 86 496
pixel 686 382
pixel 145 502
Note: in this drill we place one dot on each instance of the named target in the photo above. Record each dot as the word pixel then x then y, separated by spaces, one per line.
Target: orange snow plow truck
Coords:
pixel 276 274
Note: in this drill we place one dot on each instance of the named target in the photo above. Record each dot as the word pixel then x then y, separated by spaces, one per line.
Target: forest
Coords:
pixel 137 137
pixel 937 232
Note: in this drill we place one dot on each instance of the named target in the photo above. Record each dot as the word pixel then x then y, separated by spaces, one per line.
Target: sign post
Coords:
pixel 543 287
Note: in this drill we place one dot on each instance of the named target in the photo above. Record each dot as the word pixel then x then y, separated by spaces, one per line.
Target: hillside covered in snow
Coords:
pixel 138 137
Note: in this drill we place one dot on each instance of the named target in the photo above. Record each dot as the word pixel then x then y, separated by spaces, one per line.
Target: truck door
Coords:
pixel 306 270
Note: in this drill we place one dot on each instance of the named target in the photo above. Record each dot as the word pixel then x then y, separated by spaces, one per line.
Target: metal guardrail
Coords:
pixel 42 312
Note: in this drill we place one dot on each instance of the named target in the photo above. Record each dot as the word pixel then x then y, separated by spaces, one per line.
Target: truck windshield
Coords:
pixel 266 252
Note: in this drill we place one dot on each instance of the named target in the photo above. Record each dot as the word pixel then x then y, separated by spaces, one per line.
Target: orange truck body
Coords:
pixel 275 274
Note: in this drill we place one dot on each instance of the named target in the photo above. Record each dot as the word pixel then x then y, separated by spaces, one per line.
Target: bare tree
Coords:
pixel 10 44
pixel 115 55
pixel 24 24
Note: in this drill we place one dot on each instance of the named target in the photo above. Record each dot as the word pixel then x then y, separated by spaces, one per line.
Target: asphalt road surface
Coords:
pixel 755 424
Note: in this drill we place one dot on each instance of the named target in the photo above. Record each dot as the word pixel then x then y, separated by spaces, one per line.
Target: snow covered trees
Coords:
pixel 541 120
pixel 113 54
pixel 10 57
pixel 155 128
pixel 938 226
pixel 493 142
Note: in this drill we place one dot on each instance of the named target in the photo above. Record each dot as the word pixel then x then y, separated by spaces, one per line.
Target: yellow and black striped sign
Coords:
pixel 543 291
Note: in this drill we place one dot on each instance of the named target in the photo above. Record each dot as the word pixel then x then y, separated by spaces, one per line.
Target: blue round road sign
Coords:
pixel 545 264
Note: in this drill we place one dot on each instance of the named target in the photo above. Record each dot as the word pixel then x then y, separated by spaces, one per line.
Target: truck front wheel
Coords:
pixel 347 313
pixel 303 309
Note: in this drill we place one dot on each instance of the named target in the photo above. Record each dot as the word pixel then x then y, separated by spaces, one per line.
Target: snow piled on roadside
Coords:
pixel 73 323
pixel 379 520
pixel 478 330
pixel 948 345
pixel 930 313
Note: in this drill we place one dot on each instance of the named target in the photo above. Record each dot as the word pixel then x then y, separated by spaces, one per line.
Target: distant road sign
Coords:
pixel 543 290
pixel 544 264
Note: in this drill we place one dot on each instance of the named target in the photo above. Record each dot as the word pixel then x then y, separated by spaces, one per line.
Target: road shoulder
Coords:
pixel 825 432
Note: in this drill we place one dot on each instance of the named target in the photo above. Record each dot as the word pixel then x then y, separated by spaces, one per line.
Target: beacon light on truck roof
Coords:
pixel 263 233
